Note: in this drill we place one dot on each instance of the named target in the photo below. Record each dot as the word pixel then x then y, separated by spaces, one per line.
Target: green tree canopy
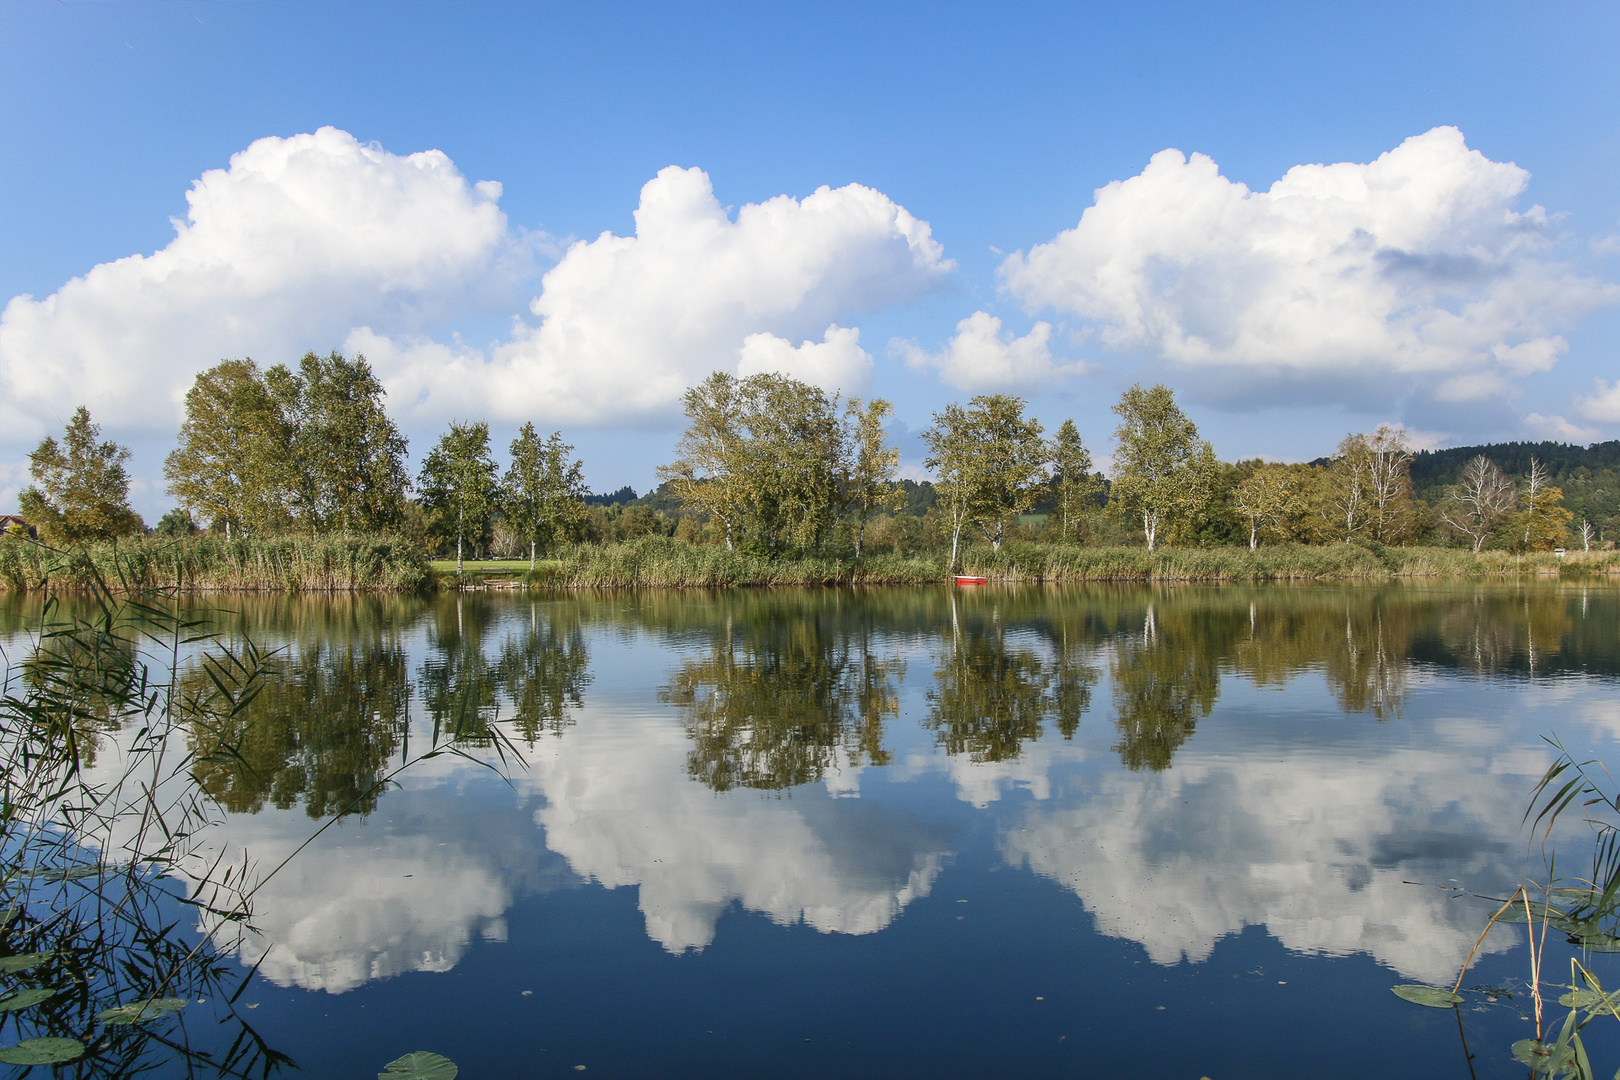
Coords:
pixel 990 462
pixel 543 494
pixel 1158 460
pixel 80 490
pixel 762 456
pixel 1073 484
pixel 457 484
pixel 348 457
pixel 870 485
pixel 1543 522
pixel 232 462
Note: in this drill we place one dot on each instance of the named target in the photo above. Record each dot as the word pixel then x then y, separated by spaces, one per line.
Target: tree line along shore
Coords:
pixel 297 479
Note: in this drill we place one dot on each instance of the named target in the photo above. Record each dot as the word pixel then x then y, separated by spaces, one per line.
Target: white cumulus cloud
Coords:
pixel 1602 406
pixel 299 240
pixel 835 362
pixel 627 323
pixel 980 356
pixel 1417 263
pixel 319 241
pixel 1319 851
pixel 1558 429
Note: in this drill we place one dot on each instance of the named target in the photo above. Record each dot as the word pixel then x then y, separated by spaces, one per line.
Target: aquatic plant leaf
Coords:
pixel 143 1010
pixel 419 1065
pixel 67 873
pixel 1542 1057
pixel 1543 913
pixel 42 1051
pixel 1432 996
pixel 22 961
pixel 1596 942
pixel 24 998
pixel 9 916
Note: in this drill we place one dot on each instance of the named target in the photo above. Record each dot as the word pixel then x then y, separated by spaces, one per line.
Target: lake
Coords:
pixel 1067 831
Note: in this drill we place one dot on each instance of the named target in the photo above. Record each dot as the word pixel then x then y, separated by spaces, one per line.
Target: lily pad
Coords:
pixel 44 1051
pixel 1598 942
pixel 23 961
pixel 1544 1058
pixel 1589 999
pixel 419 1065
pixel 140 1011
pixel 1543 913
pixel 1432 996
pixel 24 998
pixel 68 873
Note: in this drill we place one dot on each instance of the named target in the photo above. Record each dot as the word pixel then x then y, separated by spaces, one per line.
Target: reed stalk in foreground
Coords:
pixel 332 563
pixel 103 825
pixel 1588 913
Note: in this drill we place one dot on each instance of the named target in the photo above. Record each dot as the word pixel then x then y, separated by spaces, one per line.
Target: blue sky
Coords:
pixel 1424 290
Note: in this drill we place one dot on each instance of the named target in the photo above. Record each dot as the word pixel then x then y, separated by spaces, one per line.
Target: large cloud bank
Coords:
pixel 1318 851
pixel 627 323
pixel 298 241
pixel 319 241
pixel 1417 263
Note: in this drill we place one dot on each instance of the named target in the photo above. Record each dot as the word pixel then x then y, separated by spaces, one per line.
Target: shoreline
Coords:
pixel 385 564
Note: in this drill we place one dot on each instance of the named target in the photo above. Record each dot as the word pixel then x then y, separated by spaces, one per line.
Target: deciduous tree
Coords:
pixel 870 487
pixel 458 483
pixel 762 456
pixel 990 464
pixel 348 455
pixel 1157 460
pixel 1265 498
pixel 234 454
pixel 80 490
pixel 1543 521
pixel 1073 484
pixel 1482 499
pixel 543 493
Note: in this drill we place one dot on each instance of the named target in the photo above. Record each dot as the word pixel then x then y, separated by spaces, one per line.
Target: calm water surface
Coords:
pixel 1099 832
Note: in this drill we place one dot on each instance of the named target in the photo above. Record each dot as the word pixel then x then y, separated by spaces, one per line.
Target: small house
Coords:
pixel 8 522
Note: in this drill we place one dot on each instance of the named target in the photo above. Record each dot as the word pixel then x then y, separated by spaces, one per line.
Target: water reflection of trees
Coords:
pixel 996 685
pixel 788 683
pixel 775 701
pixel 1166 679
pixel 320 730
pixel 543 673
pixel 322 727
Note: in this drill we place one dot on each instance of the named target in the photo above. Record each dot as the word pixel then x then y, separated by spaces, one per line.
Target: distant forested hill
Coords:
pixel 1589 475
pixel 1437 468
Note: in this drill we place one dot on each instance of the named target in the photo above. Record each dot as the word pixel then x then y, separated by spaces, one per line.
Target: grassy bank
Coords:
pixel 655 562
pixel 1283 562
pixel 388 564
pixel 272 564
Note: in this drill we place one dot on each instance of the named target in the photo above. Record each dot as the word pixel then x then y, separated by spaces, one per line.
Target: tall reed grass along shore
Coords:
pixel 394 565
pixel 205 564
pixel 655 562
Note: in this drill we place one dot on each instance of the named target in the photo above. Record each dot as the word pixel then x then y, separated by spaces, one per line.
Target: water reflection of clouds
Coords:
pixel 1297 812
pixel 621 809
pixel 1315 848
pixel 406 891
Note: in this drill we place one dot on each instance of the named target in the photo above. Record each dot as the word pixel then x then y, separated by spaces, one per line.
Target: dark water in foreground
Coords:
pixel 1100 832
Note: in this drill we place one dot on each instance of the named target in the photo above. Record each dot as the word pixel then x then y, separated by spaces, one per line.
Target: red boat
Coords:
pixel 969 579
